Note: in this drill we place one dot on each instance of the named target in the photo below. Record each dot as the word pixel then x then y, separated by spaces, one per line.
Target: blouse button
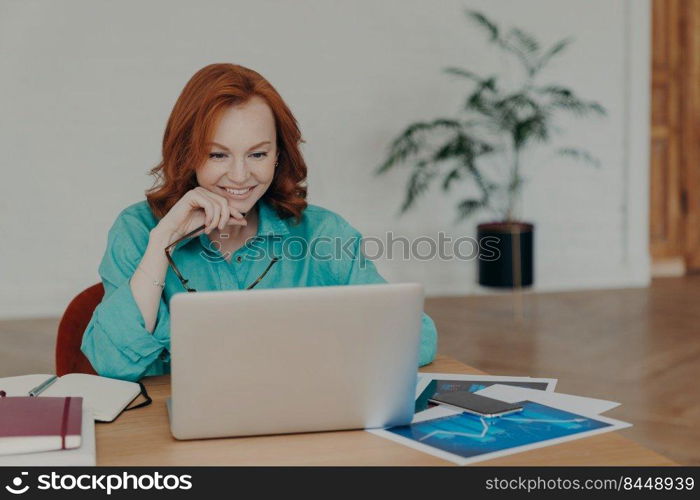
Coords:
pixel 239 258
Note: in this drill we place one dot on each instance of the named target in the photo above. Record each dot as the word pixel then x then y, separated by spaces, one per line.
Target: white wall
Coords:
pixel 86 88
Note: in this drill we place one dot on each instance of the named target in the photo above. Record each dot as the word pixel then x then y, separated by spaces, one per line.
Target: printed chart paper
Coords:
pixel 464 438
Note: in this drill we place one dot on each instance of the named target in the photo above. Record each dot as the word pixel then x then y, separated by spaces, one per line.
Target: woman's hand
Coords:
pixel 199 207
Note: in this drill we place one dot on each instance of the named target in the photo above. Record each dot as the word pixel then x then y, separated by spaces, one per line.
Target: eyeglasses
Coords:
pixel 182 279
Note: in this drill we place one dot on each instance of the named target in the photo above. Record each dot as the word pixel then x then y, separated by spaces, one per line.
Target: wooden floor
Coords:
pixel 640 347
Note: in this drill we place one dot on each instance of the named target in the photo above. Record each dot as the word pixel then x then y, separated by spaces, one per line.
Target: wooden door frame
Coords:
pixel 675 175
pixel 690 132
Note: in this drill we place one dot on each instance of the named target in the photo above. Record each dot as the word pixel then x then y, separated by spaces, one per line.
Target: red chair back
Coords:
pixel 69 357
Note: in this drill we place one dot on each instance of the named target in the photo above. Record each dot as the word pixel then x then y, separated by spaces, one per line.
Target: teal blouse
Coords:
pixel 321 250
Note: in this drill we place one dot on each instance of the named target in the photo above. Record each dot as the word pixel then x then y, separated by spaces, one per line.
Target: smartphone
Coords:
pixel 476 404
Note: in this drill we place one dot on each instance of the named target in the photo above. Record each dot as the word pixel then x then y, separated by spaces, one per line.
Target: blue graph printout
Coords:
pixel 469 435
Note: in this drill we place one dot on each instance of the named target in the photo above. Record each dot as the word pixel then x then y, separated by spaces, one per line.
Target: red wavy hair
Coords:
pixel 192 124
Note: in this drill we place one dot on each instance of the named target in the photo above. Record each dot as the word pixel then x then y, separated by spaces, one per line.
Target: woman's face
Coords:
pixel 241 157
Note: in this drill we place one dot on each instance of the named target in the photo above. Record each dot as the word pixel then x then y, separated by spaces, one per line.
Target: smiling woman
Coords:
pixel 231 163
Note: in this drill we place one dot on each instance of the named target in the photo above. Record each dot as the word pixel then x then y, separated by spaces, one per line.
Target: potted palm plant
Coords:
pixel 496 124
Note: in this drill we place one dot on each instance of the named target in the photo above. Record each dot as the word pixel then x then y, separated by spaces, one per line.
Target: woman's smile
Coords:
pixel 237 194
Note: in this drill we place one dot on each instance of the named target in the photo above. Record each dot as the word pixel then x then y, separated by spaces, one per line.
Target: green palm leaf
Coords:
pixel 580 155
pixel 418 183
pixel 465 73
pixel 557 48
pixel 484 22
pixel 412 141
pixel 467 208
pixel 564 99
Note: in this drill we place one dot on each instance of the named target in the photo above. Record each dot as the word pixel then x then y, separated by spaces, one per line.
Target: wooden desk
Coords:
pixel 142 437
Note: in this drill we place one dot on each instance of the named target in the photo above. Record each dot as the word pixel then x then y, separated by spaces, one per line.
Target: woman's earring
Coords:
pixel 276 163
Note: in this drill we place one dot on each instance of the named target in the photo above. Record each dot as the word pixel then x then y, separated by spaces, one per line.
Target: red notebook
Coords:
pixel 29 424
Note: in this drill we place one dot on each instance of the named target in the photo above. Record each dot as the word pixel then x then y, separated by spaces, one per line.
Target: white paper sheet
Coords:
pixel 434 412
pixel 423 381
pixel 568 402
pixel 20 385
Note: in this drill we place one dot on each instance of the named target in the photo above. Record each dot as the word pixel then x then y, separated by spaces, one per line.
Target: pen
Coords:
pixel 40 388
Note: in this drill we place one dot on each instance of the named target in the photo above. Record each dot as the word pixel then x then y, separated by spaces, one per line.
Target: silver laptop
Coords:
pixel 293 360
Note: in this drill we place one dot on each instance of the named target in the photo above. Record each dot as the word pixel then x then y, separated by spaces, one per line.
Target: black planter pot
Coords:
pixel 505 254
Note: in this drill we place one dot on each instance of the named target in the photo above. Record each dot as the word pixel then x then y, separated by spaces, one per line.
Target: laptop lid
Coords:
pixel 272 361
